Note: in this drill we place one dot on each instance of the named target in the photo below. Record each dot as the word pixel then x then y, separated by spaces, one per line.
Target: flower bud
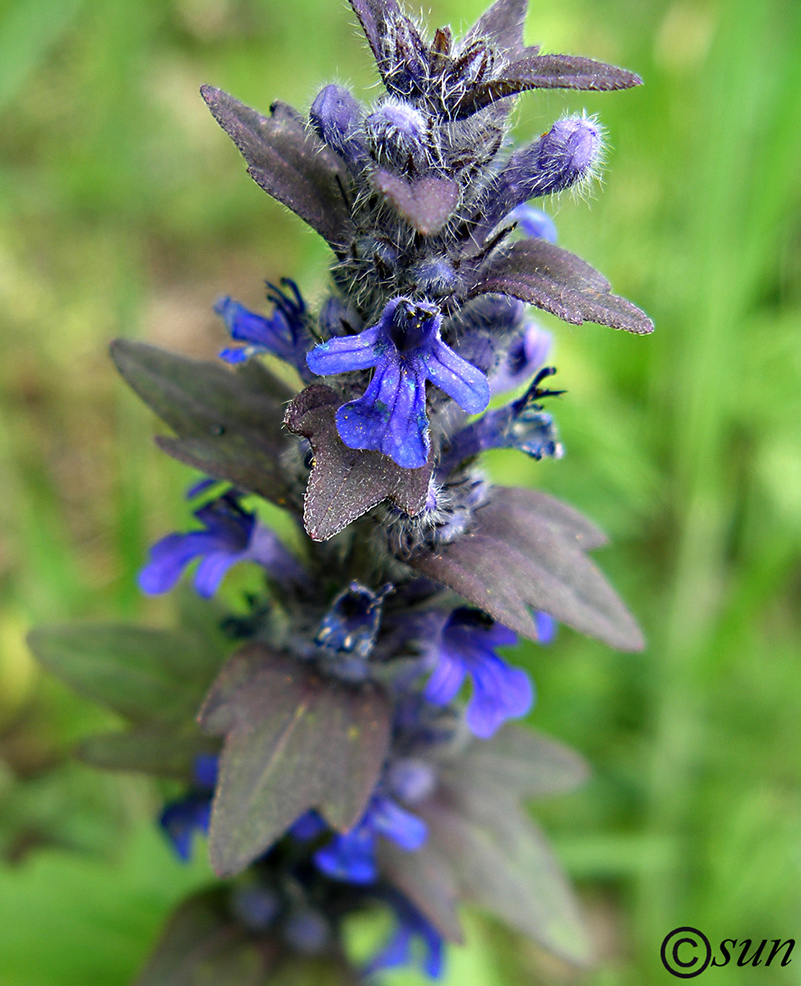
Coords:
pixel 336 116
pixel 568 154
pixel 397 131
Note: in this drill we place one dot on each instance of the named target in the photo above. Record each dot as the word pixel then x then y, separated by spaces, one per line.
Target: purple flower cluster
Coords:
pixel 337 766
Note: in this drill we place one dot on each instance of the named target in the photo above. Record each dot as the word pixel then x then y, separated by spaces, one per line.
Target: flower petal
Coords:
pixel 170 556
pixel 345 353
pixel 393 822
pixel 459 379
pixel 350 857
pixel 499 693
pixel 446 680
pixel 391 416
pixel 211 571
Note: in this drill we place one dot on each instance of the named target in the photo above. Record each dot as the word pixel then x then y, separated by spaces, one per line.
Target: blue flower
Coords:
pixel 231 535
pixel 406 350
pixel 399 948
pixel 523 425
pixel 534 222
pixel 183 818
pixel 284 334
pixel 546 627
pixel 467 647
pixel 351 856
pixel 527 353
pixel 349 629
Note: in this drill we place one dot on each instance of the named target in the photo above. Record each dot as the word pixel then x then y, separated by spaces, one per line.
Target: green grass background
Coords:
pixel 125 211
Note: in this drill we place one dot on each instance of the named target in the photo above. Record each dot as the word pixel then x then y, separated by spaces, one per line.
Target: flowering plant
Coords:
pixel 334 763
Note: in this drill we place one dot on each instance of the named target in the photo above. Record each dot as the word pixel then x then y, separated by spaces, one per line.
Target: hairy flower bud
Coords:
pixel 399 133
pixel 336 116
pixel 567 155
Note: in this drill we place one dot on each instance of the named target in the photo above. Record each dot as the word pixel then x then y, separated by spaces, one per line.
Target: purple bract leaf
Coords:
pixel 375 17
pixel 502 25
pixel 501 861
pixel 294 741
pixel 521 762
pixel 155 750
pixel 427 881
pixel 426 204
pixel 145 675
pixel 534 71
pixel 228 423
pixel 523 554
pixel 201 943
pixel 288 161
pixel 345 483
pixel 544 275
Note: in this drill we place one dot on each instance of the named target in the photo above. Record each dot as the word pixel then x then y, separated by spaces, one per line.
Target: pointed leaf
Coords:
pixel 288 161
pixel 228 423
pixel 427 881
pixel 375 17
pixel 533 71
pixel 522 762
pixel 293 741
pixel 515 560
pixel 523 505
pixel 145 675
pixel 502 25
pixel 345 483
pixel 201 944
pixel 502 862
pixel 147 750
pixel 544 275
pixel 425 204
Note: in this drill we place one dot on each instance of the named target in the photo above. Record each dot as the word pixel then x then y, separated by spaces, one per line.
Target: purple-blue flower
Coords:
pixel 183 818
pixel 284 334
pixel 231 534
pixel 534 222
pixel 405 348
pixel 399 948
pixel 523 425
pixel 351 856
pixel 336 116
pixel 527 353
pixel 351 624
pixel 466 646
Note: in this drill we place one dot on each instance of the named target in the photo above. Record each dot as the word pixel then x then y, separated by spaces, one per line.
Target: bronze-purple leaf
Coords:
pixel 345 483
pixel 501 862
pixel 426 204
pixel 427 880
pixel 146 675
pixel 202 944
pixel 375 17
pixel 521 555
pixel 153 749
pixel 294 741
pixel 228 424
pixel 501 25
pixel 521 762
pixel 557 281
pixel 534 71
pixel 288 161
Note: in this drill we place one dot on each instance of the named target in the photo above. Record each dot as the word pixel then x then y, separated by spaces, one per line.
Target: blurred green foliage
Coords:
pixel 125 211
